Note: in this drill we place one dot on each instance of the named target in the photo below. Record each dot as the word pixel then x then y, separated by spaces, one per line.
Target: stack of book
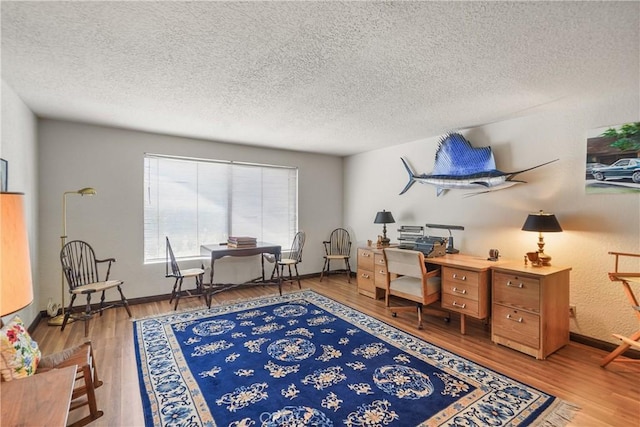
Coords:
pixel 241 242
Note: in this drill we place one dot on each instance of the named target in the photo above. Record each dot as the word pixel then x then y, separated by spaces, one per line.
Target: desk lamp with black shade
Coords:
pixel 450 247
pixel 384 218
pixel 542 222
pixel 16 288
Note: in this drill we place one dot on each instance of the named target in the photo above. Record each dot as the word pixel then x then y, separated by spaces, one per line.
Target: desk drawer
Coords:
pixel 458 276
pixel 380 271
pixel 516 325
pixel 365 259
pixel 460 289
pixel 367 286
pixel 460 304
pixel 517 290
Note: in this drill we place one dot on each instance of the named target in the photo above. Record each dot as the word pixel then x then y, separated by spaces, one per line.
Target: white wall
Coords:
pixel 73 156
pixel 18 147
pixel 593 224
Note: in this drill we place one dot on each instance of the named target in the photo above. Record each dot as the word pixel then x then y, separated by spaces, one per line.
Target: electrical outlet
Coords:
pixel 572 311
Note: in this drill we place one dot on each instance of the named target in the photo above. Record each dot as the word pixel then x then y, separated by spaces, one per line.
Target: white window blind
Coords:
pixel 198 201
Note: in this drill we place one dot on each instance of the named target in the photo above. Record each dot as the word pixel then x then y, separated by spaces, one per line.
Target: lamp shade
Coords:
pixel 384 217
pixel 16 289
pixel 541 222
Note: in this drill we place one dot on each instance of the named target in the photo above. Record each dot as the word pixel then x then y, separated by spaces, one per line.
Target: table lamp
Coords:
pixel 16 287
pixel 542 223
pixel 384 218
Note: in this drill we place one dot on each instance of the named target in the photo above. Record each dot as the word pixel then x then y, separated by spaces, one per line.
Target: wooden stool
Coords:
pixel 634 339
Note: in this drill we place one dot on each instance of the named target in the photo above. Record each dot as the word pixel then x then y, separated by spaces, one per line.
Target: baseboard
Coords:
pixel 32 327
pixel 602 345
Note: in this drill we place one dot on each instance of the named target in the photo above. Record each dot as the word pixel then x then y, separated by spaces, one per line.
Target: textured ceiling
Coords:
pixel 329 77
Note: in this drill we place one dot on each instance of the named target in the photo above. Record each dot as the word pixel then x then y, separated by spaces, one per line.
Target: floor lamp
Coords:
pixel 88 191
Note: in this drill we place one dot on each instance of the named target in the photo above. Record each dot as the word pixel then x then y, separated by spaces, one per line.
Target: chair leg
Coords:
pixel 125 303
pixel 179 291
pixel 87 313
pixel 325 267
pixel 346 262
pixel 68 312
pixel 101 303
pixel 297 275
pixel 419 307
pixel 173 291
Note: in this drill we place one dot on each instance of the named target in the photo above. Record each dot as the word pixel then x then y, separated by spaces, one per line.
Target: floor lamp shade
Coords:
pixel 15 265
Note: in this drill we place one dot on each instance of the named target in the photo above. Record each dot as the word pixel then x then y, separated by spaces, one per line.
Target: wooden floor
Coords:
pixel 608 397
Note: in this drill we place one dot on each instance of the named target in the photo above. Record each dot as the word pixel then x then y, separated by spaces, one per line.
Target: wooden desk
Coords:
pixel 39 400
pixel 216 251
pixel 466 285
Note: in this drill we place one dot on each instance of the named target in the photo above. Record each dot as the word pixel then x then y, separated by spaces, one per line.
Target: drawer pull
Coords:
pixel 455 304
pixel 460 291
pixel 366 276
pixel 519 319
pixel 367 254
pixel 382 272
pixel 455 276
pixel 511 285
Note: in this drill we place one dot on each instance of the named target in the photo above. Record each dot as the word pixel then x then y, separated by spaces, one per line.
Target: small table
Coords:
pixel 216 251
pixel 39 400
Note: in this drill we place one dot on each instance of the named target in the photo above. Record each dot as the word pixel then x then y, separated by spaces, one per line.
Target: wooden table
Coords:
pixel 217 251
pixel 39 400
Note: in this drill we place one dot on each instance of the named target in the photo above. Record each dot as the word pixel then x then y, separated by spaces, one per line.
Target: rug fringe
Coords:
pixel 559 414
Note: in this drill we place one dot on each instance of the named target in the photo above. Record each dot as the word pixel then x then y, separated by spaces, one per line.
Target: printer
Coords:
pixel 431 246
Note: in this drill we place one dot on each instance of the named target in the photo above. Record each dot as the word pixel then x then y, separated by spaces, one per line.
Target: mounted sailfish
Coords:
pixel 460 166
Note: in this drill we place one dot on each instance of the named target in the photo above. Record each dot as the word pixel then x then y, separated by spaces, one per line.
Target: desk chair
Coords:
pixel 180 275
pixel 626 279
pixel 337 248
pixel 408 278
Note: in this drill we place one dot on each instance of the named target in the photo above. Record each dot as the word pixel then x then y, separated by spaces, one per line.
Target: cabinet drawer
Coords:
pixel 460 304
pixel 365 259
pixel 516 325
pixel 457 276
pixel 517 291
pixel 460 289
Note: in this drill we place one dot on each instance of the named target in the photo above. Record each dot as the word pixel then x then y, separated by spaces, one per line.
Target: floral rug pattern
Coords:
pixel 304 359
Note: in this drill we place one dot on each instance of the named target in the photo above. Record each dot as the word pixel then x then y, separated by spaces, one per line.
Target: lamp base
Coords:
pixel 544 259
pixel 59 319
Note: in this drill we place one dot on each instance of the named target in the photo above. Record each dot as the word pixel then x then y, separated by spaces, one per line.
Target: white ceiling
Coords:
pixel 328 77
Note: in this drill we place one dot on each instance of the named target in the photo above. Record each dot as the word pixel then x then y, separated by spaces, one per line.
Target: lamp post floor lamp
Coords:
pixel 87 191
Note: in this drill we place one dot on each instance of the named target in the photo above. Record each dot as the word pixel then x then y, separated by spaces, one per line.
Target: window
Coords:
pixel 198 201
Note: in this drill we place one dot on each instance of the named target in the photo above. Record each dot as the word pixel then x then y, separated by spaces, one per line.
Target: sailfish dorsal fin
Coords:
pixel 456 156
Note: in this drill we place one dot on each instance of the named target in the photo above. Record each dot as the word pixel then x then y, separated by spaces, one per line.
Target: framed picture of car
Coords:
pixel 613 159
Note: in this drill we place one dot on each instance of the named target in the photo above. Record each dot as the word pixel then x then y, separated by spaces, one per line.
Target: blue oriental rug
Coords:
pixel 304 359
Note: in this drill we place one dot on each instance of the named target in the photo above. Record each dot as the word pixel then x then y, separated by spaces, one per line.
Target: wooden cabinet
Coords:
pixel 530 308
pixel 372 272
pixel 465 286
